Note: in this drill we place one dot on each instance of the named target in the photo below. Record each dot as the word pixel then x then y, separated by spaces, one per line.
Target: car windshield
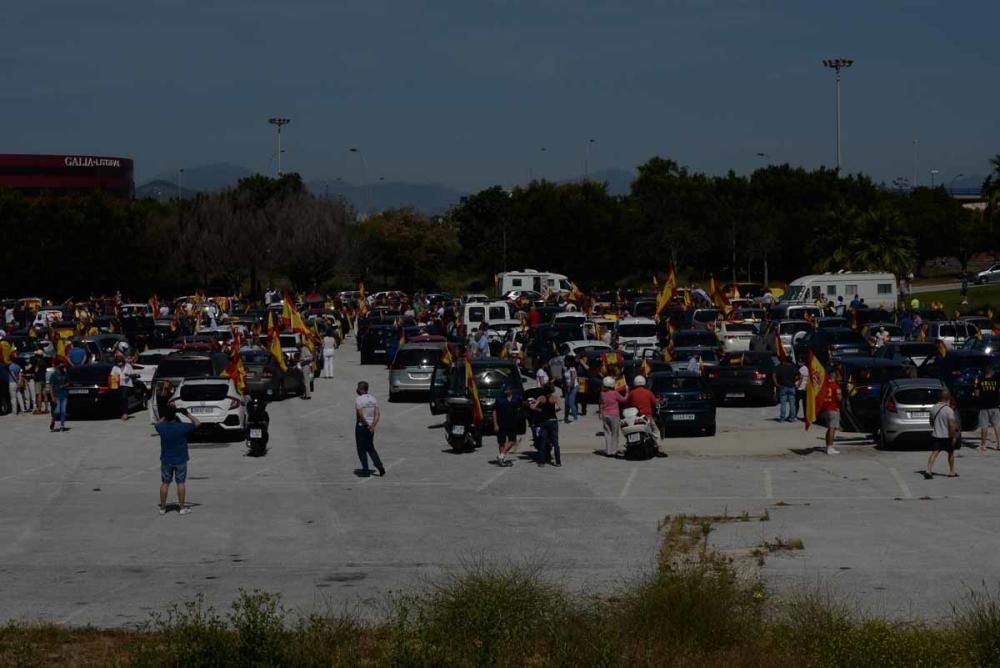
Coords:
pixel 204 392
pixel 685 355
pixel 845 337
pixel 670 383
pixel 150 358
pixel 644 309
pixel 417 356
pixel 946 330
pixel 918 396
pixel 739 327
pixel 706 315
pixel 288 341
pixel 184 368
pixel 477 314
pixel 793 327
pixel 636 331
pixel 794 292
pixel 917 349
pixel 88 375
pixel 498 313
pixel 256 357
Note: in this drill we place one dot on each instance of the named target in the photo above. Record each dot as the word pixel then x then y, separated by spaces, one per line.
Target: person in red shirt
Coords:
pixel 830 398
pixel 645 401
pixel 534 317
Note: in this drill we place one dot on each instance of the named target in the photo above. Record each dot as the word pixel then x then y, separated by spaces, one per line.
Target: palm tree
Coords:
pixel 991 193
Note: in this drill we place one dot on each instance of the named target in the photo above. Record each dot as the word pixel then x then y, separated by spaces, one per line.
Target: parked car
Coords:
pixel 640 331
pixel 375 342
pixel 736 336
pixel 91 394
pixel 681 356
pixel 412 368
pixel 953 332
pixel 832 322
pixel 490 375
pixel 786 329
pixel 183 365
pixel 266 378
pixel 959 370
pixel 829 344
pixel 689 338
pixel 701 318
pixel 862 380
pixel 146 362
pixel 910 353
pixel 989 275
pixel 906 410
pixel 684 401
pixel 744 377
pixel 215 402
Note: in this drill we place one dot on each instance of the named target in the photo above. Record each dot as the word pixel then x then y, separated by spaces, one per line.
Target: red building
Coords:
pixel 42 175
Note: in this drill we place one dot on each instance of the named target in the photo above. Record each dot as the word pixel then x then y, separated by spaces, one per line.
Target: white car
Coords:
pixel 638 331
pixel 475 299
pixel 735 336
pixel 990 275
pixel 591 349
pixel 570 318
pixel 215 402
pixel 147 361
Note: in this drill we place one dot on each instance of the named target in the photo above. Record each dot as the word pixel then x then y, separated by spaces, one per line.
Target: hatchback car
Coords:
pixel 215 402
pixel 183 365
pixel 744 377
pixel 906 410
pixel 91 394
pixel 786 329
pixel 735 336
pixel 147 361
pixel 266 378
pixel 989 275
pixel 684 401
pixel 412 367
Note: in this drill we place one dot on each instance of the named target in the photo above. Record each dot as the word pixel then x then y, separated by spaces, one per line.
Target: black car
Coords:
pixel 910 353
pixel 830 344
pixel 546 339
pixel 744 377
pixel 690 338
pixel 862 379
pixel 91 393
pixel 684 401
pixel 960 370
pixel 490 375
pixel 266 378
pixel 374 343
pixel 184 364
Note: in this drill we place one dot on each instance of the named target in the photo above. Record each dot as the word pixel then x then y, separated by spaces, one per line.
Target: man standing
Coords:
pixel 37 367
pixel 17 395
pixel 944 434
pixel 126 379
pixel 988 393
pixel 174 454
pixel 367 416
pixel 306 364
pixel 571 386
pixel 644 401
pixel 800 389
pixel 59 393
pixel 506 413
pixel 965 288
pixel 830 408
pixel 786 377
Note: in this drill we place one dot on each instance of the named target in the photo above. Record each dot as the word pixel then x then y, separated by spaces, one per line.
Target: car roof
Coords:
pixel 859 361
pixel 158 351
pixel 674 374
pixel 206 381
pixel 916 383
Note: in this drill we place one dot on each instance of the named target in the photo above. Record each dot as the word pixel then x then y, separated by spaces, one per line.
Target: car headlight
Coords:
pixel 489 401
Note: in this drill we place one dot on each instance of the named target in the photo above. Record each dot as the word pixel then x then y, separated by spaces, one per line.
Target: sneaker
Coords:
pixel 185 511
pixel 381 471
pixel 52 426
pixel 832 451
pixel 162 510
pixel 507 462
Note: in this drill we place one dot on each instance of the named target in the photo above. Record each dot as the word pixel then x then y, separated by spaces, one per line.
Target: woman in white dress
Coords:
pixel 329 344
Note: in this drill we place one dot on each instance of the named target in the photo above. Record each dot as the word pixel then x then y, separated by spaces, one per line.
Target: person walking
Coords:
pixel 831 397
pixel 59 393
pixel 944 434
pixel 547 406
pixel 329 348
pixel 174 454
pixel 506 413
pixel 36 368
pixel 306 365
pixel 16 378
pixel 367 415
pixel 988 396
pixel 965 288
pixel 610 412
pixel 571 387
pixel 800 389
pixel 786 377
pixel 124 375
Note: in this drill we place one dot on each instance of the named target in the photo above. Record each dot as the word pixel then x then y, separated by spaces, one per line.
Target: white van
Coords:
pixel 878 289
pixel 543 282
pixel 637 331
pixel 476 312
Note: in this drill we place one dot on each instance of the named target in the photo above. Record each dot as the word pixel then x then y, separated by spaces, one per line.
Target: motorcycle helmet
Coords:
pixel 609 382
pixel 640 381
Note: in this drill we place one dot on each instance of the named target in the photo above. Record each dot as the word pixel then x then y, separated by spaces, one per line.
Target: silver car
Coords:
pixel 412 368
pixel 906 410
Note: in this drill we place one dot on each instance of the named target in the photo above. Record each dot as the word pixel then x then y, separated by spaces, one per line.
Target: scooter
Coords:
pixel 257 424
pixel 640 438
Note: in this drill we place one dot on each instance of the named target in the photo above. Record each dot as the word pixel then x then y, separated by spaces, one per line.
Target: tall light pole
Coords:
pixel 934 173
pixel 364 175
pixel 838 64
pixel 278 122
pixel 180 173
pixel 586 161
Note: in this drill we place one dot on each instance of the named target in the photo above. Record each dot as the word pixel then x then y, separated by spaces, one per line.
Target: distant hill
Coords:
pixel 162 189
pixel 619 181
pixel 207 178
pixel 429 198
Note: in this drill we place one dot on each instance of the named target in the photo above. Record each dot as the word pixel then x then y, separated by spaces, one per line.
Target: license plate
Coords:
pixel 420 376
pixel 735 395
pixel 458 429
pixel 633 438
pixel 919 415
pixel 256 433
pixel 79 391
pixel 201 410
pixel 379 352
pixel 683 417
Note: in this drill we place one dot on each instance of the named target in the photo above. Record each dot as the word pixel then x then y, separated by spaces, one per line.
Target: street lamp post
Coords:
pixel 951 184
pixel 364 175
pixel 180 174
pixel 586 161
pixel 278 122
pixel 838 64
pixel 934 173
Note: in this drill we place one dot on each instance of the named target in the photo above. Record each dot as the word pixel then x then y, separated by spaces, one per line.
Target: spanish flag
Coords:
pixel 274 343
pixel 717 296
pixel 646 368
pixel 470 384
pixel 942 349
pixel 6 352
pixel 667 293
pixel 668 354
pixel 814 389
pixel 154 303
pixel 446 358
pixel 362 301
pixel 235 368
pixel 779 349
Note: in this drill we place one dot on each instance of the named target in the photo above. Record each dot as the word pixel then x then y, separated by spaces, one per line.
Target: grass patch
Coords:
pixel 981 298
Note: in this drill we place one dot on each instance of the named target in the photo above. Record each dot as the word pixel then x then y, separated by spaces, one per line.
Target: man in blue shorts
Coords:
pixel 174 454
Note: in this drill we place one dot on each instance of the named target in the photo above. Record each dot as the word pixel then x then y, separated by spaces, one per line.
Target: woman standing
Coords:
pixel 329 347
pixel 548 431
pixel 610 410
pixel 570 387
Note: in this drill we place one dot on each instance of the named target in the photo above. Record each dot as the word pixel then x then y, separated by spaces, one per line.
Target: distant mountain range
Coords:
pixel 430 198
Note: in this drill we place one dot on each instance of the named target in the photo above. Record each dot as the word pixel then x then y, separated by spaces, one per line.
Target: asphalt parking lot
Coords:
pixel 83 542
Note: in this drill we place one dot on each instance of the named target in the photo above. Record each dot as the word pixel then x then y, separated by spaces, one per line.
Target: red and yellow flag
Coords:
pixel 814 389
pixel 942 349
pixel 667 293
pixel 362 301
pixel 779 349
pixel 154 303
pixel 6 352
pixel 235 368
pixel 274 343
pixel 717 295
pixel 470 384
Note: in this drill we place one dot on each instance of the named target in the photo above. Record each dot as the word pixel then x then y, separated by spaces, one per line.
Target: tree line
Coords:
pixel 774 224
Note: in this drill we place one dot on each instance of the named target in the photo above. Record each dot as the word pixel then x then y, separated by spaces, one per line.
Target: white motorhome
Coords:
pixel 477 312
pixel 543 282
pixel 876 288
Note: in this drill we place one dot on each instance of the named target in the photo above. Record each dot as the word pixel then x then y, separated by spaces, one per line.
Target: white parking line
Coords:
pixel 388 466
pixel 903 487
pixel 628 483
pixel 492 479
pixel 768 485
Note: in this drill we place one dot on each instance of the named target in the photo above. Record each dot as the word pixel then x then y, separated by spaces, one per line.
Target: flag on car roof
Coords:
pixel 470 384
pixel 667 293
pixel 779 349
pixel 235 368
pixel 814 389
pixel 717 295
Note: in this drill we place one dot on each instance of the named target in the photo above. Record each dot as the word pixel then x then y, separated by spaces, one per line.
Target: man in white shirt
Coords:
pixel 944 434
pixel 800 389
pixel 126 379
pixel 542 376
pixel 366 415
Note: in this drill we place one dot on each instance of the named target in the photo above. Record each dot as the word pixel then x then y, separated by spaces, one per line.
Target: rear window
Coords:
pixel 706 315
pixel 477 314
pixel 747 359
pixel 256 357
pixel 826 324
pixel 88 375
pixel 498 313
pixel 946 330
pixel 204 392
pixel 685 355
pixel 694 338
pixel 150 358
pixel 918 349
pixel 924 396
pixel 635 331
pixel 740 327
pixel 644 309
pixel 288 341
pixel 846 337
pixel 417 357
pixel 668 383
pixel 184 368
pixel 592 352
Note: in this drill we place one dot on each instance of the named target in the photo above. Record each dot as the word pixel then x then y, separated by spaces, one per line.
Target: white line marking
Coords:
pixel 388 466
pixel 768 484
pixel 37 468
pixel 628 483
pixel 903 487
pixel 493 478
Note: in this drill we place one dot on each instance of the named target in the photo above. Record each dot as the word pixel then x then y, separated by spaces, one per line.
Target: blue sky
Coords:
pixel 467 92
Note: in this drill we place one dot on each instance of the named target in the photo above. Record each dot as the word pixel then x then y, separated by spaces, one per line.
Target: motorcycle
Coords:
pixel 257 424
pixel 641 441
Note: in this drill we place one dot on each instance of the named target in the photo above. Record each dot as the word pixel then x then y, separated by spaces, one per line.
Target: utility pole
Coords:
pixel 180 173
pixel 838 64
pixel 586 161
pixel 278 122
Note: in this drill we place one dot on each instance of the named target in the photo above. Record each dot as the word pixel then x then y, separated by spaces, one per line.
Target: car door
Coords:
pixel 439 389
